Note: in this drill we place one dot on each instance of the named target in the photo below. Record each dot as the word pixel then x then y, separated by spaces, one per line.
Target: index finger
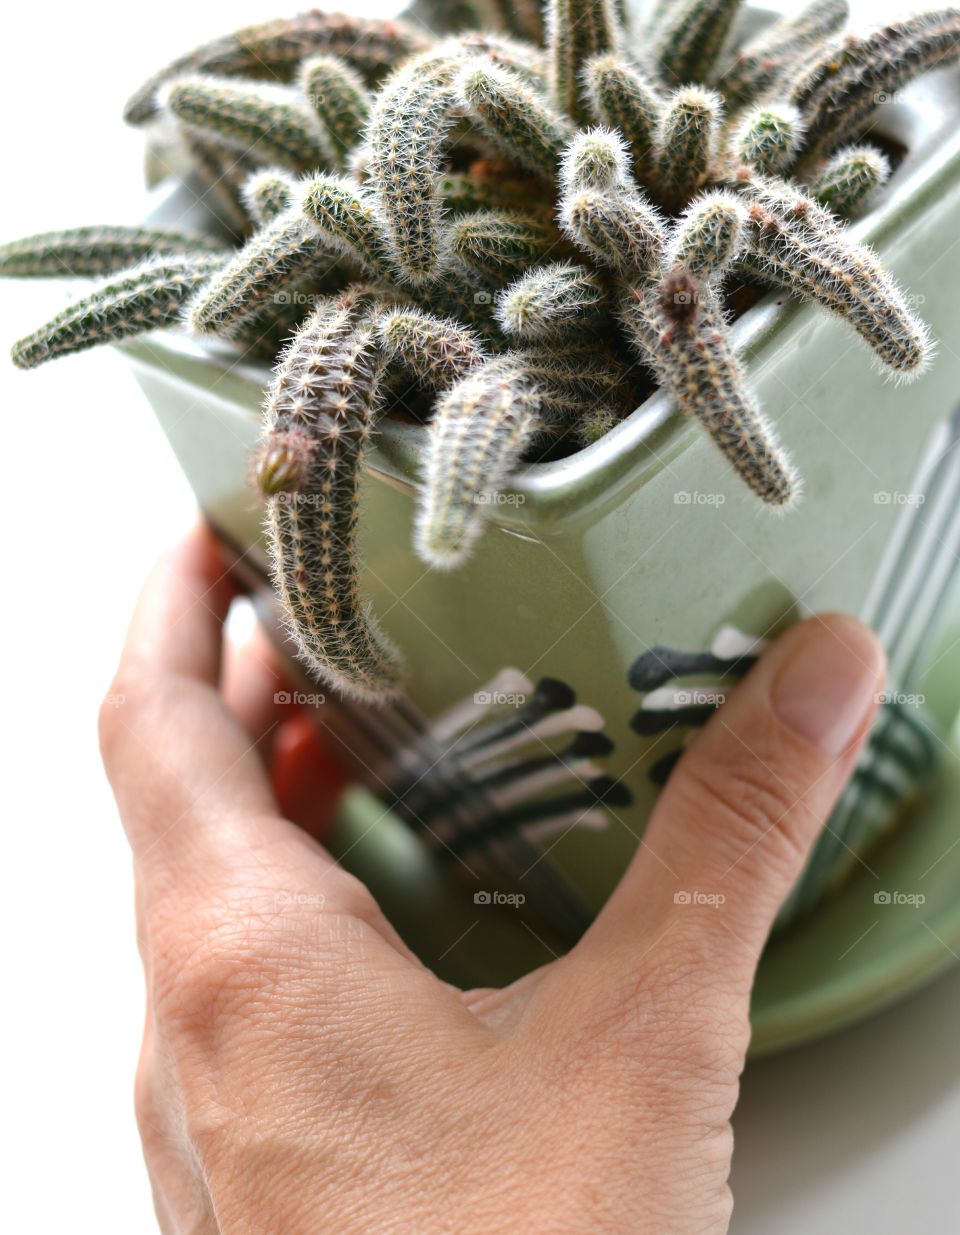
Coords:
pixel 181 766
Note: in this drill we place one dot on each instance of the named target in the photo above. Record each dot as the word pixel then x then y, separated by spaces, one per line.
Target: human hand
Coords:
pixel 301 1071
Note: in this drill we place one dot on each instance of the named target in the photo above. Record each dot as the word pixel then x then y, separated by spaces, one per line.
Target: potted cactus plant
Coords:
pixel 524 277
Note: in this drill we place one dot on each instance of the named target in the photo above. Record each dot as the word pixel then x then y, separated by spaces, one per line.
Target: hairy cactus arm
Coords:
pixel 438 351
pixel 268 194
pixel 686 143
pixel 258 274
pixel 548 301
pixel 795 243
pixel 84 252
pixel 515 116
pixel 689 38
pixel 266 127
pixel 617 228
pixel 678 327
pixel 477 436
pixel 768 137
pixel 146 298
pixel 320 415
pixel 406 137
pixel 499 245
pixel 343 215
pixel 577 31
pixel 622 98
pixel 849 177
pixel 709 235
pixel 840 88
pixel 274 50
pixel 754 69
pixel 340 100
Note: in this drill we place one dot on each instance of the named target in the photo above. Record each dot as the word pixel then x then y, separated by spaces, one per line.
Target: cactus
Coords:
pixel 849 178
pixel 320 414
pixel 686 142
pixel 548 301
pixel 274 257
pixel 842 86
pixel 795 242
pixel 438 352
pixel 498 246
pixel 678 327
pixel 275 50
pixel 577 31
pixel 145 298
pixel 477 436
pixel 690 37
pixel 619 229
pixel 341 101
pixel 408 125
pixel 756 67
pixel 515 117
pixel 273 130
pixel 768 137
pixel 708 236
pixel 269 194
pixel 342 214
pixel 528 239
pixel 622 98
pixel 83 252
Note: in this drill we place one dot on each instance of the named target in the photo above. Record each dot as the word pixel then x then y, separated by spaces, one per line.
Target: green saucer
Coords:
pixel 858 953
pixel 890 929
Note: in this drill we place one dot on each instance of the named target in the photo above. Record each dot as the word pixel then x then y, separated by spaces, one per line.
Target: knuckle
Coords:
pixel 206 974
pixel 119 708
pixel 147 1108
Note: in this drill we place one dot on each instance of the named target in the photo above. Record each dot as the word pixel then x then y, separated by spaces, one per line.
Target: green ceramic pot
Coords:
pixel 616 594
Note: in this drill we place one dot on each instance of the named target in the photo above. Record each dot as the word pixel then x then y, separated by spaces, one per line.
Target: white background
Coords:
pixel 857 1134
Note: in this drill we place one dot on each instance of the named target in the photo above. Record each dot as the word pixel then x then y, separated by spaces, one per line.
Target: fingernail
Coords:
pixel 830 684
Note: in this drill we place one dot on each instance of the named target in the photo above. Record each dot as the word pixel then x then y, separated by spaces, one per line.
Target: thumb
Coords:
pixel 737 819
